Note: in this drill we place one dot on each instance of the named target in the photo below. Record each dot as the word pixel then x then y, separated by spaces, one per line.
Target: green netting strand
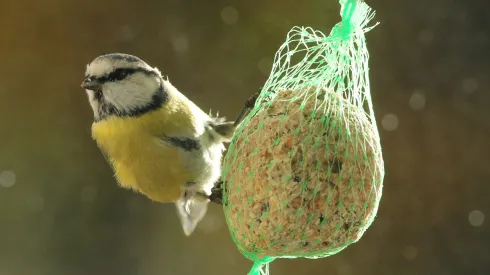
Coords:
pixel 304 172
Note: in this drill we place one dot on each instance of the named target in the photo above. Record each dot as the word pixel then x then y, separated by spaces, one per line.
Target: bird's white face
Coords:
pixel 122 85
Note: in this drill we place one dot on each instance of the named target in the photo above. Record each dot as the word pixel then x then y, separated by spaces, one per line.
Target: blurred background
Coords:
pixel 61 212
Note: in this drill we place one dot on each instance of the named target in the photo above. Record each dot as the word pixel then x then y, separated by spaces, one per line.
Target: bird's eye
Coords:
pixel 118 74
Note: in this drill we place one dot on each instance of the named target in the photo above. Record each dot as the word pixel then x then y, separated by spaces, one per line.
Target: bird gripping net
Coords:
pixel 303 174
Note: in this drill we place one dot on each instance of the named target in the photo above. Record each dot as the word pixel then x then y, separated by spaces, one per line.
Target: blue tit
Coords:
pixel 158 142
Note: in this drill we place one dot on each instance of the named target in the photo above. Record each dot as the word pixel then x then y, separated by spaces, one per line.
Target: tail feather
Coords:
pixel 191 211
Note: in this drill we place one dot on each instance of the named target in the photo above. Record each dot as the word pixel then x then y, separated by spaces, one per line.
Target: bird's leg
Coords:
pixel 217 193
pixel 249 104
pixel 227 129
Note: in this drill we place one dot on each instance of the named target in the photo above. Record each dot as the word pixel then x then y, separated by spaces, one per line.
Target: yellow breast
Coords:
pixel 140 161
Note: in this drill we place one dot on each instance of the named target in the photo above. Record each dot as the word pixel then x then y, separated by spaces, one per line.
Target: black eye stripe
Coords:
pixel 119 74
pixel 122 73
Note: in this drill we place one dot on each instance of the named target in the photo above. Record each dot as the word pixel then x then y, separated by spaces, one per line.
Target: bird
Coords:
pixel 157 141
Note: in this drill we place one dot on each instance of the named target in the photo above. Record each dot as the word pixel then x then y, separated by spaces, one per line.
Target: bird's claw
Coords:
pixel 217 193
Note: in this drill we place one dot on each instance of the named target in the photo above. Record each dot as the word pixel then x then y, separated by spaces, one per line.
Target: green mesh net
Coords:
pixel 303 174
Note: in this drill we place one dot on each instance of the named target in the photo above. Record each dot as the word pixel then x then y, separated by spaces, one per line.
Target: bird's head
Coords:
pixel 122 85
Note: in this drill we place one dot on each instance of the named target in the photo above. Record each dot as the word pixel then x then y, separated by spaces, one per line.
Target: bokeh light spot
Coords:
pixel 476 218
pixel 469 85
pixel 126 33
pixel 229 15
pixel 417 101
pixel 180 44
pixel 390 122
pixel 410 252
pixel 7 179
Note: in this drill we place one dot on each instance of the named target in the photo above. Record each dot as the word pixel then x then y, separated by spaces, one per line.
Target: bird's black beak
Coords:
pixel 90 84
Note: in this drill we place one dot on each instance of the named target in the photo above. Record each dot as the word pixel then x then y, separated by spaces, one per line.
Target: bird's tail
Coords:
pixel 191 211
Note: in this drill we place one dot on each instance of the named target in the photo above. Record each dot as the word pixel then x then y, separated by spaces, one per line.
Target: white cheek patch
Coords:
pixel 132 93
